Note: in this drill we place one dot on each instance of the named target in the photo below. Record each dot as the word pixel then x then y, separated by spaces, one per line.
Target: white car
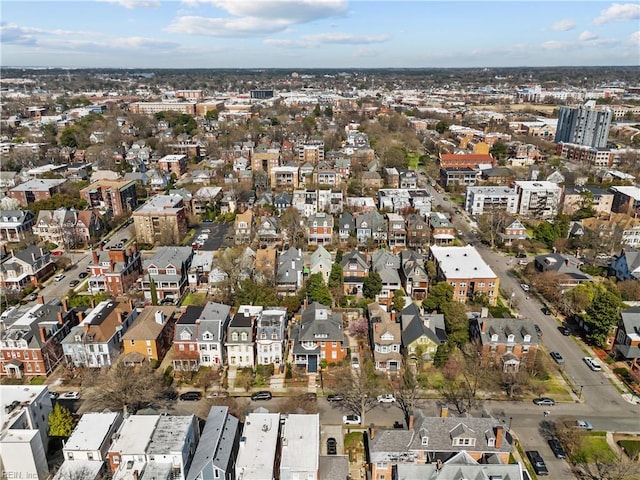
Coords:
pixel 592 364
pixel 525 287
pixel 70 396
pixel 206 230
pixel 388 398
pixel 351 420
pixel 59 277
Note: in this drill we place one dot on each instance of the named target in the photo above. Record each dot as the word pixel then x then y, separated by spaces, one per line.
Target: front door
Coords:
pixel 312 367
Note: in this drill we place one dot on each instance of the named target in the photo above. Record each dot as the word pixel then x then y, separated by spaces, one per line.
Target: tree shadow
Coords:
pixel 547 429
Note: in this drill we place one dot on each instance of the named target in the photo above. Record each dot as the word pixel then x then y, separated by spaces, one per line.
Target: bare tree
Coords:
pixel 602 467
pixel 359 388
pixel 291 222
pixel 406 392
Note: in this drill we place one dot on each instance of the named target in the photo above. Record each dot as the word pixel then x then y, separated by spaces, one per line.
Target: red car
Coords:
pixel 57 252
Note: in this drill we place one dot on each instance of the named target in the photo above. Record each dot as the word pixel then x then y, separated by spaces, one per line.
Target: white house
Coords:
pixel 270 336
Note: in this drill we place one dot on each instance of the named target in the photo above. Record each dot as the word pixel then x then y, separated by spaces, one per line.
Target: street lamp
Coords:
pixel 509 429
pixel 513 294
pixel 580 394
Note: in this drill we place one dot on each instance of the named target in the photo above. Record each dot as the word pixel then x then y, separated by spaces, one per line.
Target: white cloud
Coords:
pixel 130 4
pixel 563 25
pixel 296 11
pixel 552 45
pixel 12 33
pixel 226 27
pixel 281 43
pixel 618 13
pixel 586 36
pixel 634 38
pixel 345 38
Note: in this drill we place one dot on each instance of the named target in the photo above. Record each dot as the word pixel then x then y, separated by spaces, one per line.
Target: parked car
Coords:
pixel 59 277
pixel 388 398
pixel 544 401
pixel 30 298
pixel 74 283
pixel 263 395
pixel 83 275
pixel 70 396
pixel 538 329
pixel 592 364
pixel 557 357
pixel 545 310
pixel 525 287
pixel 351 420
pixel 355 363
pixel 206 230
pixel 556 448
pixel 53 395
pixel 537 462
pixel 521 255
pixel 584 425
pixel 564 330
pixel 191 396
pixel 332 446
pixel 56 253
pixel 334 397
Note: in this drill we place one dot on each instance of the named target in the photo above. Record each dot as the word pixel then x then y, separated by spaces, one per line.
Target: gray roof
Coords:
pixel 273 320
pixel 383 259
pixel 631 320
pixel 346 221
pixel 460 466
pixel 218 442
pixel 214 319
pixel 165 256
pixel 415 324
pixel 333 466
pixel 38 185
pixel 188 321
pixel 503 327
pixel 318 323
pixel 289 266
pixel 354 256
pixel 563 264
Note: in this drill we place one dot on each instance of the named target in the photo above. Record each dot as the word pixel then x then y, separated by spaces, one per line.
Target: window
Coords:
pixel 69 455
pixel 274 336
pixel 148 343
pixel 425 441
pixel 234 336
pixel 244 336
pixel 207 336
pixel 491 442
pixel 149 351
pixel 116 459
pixel 181 348
pixel 89 456
pixel 192 347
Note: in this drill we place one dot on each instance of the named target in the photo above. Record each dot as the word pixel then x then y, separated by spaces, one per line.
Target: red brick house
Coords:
pixel 114 271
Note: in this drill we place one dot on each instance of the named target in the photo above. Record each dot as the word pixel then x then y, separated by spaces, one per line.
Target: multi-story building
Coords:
pixel 422 334
pixel 468 161
pixel 90 440
pixel 285 176
pixel 354 269
pixel 320 229
pixel 538 199
pixel 168 269
pixel 32 341
pixel 398 199
pixel 441 230
pixel 321 262
pixel 319 336
pixel 481 200
pixel 24 435
pixel 371 226
pixel 417 231
pixel 35 190
pixel 386 340
pixel 15 225
pixel 240 337
pixel 114 271
pixel 289 273
pixel 162 219
pixel 467 272
pixel 113 197
pixel 186 357
pixel 626 199
pixel 584 125
pixel 68 228
pixel 259 451
pixel 300 433
pixel 243 228
pixel 387 265
pixel 97 341
pixel 598 199
pixel 150 336
pixel 413 274
pixel 268 231
pixel 271 336
pixel 24 268
pixel 397 235
pixel 211 334
pixel 592 156
pixel 151 108
pixel 173 164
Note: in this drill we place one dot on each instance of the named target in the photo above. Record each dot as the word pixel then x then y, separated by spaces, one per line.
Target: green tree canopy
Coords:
pixel 211 115
pixel 441 127
pixel 372 285
pixel 251 292
pixel 58 200
pixel 335 277
pixel 601 316
pixel 456 323
pixel 440 294
pixel 317 291
pixel 398 300
pixel 499 150
pixel 61 422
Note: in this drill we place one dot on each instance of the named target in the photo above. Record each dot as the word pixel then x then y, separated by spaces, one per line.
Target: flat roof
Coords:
pixel 91 431
pixel 256 456
pixel 461 262
pixel 160 203
pixel 135 434
pixel 170 434
pixel 633 192
pixel 300 443
pixel 85 469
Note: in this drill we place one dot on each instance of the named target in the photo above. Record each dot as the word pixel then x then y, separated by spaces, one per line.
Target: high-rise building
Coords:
pixel 584 125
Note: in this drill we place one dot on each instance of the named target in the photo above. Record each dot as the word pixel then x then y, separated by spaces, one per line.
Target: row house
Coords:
pixel 260 447
pixel 150 336
pixel 417 231
pixel 413 274
pixel 397 235
pixel 243 228
pixel 320 229
pixel 186 355
pixel 35 190
pixel 321 262
pixel 282 201
pixel 212 327
pixel 387 265
pixel 68 228
pixel 505 342
pixel 271 336
pixel 408 179
pixel 346 227
pixel 371 226
pixel 32 343
pixel 240 341
pixel 318 336
pixel 162 219
pixel 268 231
pixel 25 268
pixel 391 177
pixel 626 344
pixel 168 270
pixel 113 197
pixel 114 271
pixel 386 340
pixel 441 230
pixel 422 334
pixel 15 225
pixel 289 272
pixel 96 341
pixel 354 270
pixel 398 200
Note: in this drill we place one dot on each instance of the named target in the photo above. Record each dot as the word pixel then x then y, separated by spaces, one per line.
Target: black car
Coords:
pixel 83 275
pixel 556 448
pixel 545 310
pixel 335 397
pixel 74 283
pixel 332 446
pixel 538 329
pixel 521 255
pixel 537 462
pixel 264 395
pixel 564 331
pixel 191 396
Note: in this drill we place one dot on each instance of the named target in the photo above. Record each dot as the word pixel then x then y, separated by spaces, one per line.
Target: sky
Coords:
pixel 317 33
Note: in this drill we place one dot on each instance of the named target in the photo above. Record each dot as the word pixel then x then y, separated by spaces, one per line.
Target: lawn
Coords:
pixel 198 299
pixel 594 446
pixel 631 447
pixel 413 160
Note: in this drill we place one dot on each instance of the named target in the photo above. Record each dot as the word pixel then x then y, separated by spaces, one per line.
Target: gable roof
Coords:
pixel 415 325
pixel 318 322
pixel 166 256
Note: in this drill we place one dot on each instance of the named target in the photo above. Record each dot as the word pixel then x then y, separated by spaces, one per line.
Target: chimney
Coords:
pixel 93 302
pixel 65 304
pixel 444 411
pixel 60 317
pixel 95 255
pixel 499 433
pixel 566 262
pixel 483 326
pixel 159 316
pixel 122 317
pixel 80 317
pixel 131 304
pixel 411 418
pixel 86 327
pixel 372 431
pixel 484 312
pixel 393 317
pixel 43 333
pixel 40 299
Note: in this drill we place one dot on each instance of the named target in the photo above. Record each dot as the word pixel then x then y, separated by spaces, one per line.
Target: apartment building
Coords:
pixel 168 270
pixel 162 219
pixel 300 454
pixel 113 197
pixel 285 176
pixel 481 200
pixel 467 272
pixel 626 199
pixel 151 108
pixel 596 157
pixel 173 164
pixel 584 125
pixel 114 271
pixel 35 190
pixel 538 199
pixel 259 452
pixel 311 151
pixel 576 198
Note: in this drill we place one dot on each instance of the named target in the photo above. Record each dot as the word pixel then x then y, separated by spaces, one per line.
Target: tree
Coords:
pixel 360 388
pixel 291 223
pixel 601 316
pixel 456 323
pixel 440 294
pixel 441 127
pixel 336 278
pixel 372 285
pixel 463 374
pixel 406 392
pixel 61 421
pixel 153 291
pixel 490 224
pixel 250 292
pixel 211 115
pixel 359 328
pixel 317 291
pixel 499 150
pixel 399 300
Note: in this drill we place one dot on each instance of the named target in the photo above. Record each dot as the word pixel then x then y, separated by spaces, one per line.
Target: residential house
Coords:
pixel 513 232
pixel 321 262
pixel 626 345
pixel 354 269
pixel 371 226
pixel 300 433
pixel 68 228
pixel 318 336
pixel 441 230
pixel 346 227
pixel 271 336
pixel 211 334
pixel 597 199
pixel 408 179
pixel 467 272
pixel 626 265
pixel 162 219
pixel 151 335
pixel 35 190
pixel 259 447
pixel 461 466
pixel 391 177
pixel 386 340
pixel 97 341
pixel 246 199
pixel 173 165
pixel 186 356
pixel 397 234
pixel 566 267
pixel 265 265
pixel 200 270
pixel 497 176
pixel 320 229
pixel 268 231
pixel 168 271
pixel 243 228
pixel 505 342
pixel 429 440
pixel 417 231
pixel 25 268
pixel 422 334
pixel 387 265
pixel 202 177
pixel 218 447
pixel 31 343
pixel 114 271
pixel 112 197
pixel 206 200
pixel 24 435
pixel 15 225
pixel 282 201
pixel 240 337
pixel 289 273
pixel 413 274
pixel 371 180
pixel 626 199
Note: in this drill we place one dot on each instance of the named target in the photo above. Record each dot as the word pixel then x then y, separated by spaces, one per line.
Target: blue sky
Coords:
pixel 317 33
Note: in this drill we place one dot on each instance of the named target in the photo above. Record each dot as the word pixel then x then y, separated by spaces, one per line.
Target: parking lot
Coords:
pixel 216 233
